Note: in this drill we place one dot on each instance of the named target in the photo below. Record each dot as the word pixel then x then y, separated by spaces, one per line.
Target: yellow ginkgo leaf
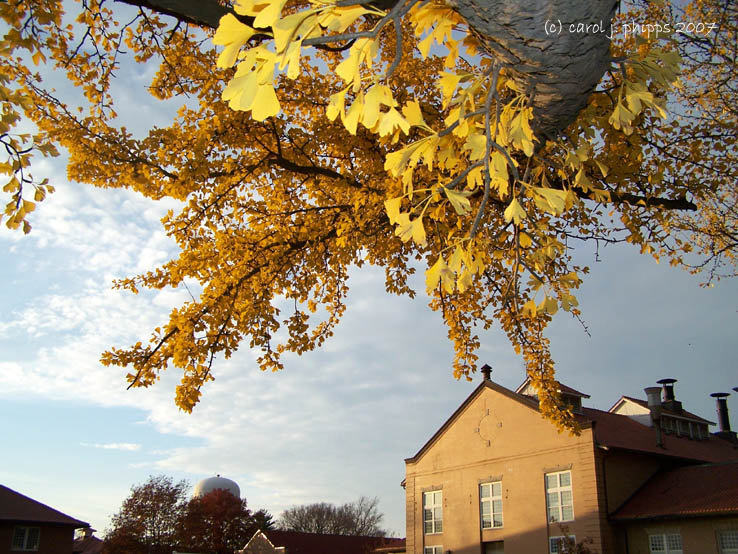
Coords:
pixel 265 103
pixel 515 212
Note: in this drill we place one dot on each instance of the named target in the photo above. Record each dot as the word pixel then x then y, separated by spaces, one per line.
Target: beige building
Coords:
pixel 497 477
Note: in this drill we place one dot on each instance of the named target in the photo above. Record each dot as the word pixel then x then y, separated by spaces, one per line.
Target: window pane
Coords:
pixel 553 514
pixel 498 520
pixel 551 481
pixel 437 498
pixel 19 538
pixel 439 526
pixel 656 543
pixel 484 491
pixel 496 489
pixel 497 506
pixel 32 538
pixel 729 540
pixel 566 497
pixel 567 514
pixel 565 479
pixel 553 499
pixel 674 541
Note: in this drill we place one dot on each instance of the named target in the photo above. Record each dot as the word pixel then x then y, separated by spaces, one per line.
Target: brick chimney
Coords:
pixel 669 401
pixel 723 417
pixel 486 372
pixel 654 406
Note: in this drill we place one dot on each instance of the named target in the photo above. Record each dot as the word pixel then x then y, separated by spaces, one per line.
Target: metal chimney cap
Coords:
pixel 667 381
pixel 720 394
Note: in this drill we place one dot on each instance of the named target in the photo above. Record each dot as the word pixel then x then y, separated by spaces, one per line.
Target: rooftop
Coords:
pixel 690 491
pixel 297 542
pixel 16 507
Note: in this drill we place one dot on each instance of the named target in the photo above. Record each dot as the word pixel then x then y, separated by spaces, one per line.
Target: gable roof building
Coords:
pixel 29 525
pixel 496 477
pixel 273 541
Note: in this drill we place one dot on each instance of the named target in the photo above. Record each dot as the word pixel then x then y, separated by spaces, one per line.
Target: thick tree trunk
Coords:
pixel 560 68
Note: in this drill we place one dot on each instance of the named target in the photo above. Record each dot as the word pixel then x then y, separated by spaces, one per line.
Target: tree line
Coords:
pixel 159 517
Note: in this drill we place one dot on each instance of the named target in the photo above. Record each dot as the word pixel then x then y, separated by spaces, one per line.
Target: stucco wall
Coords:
pixel 498 438
pixel 699 535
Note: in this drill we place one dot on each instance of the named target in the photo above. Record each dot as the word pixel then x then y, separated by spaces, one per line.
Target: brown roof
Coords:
pixel 16 507
pixel 296 542
pixel 87 545
pixel 622 432
pixel 684 413
pixel 710 489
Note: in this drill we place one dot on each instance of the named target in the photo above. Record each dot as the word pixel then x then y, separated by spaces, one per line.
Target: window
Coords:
pixel 438 549
pixel 559 499
pixel 26 538
pixel 557 545
pixel 667 543
pixel 490 499
pixel 728 541
pixel 433 512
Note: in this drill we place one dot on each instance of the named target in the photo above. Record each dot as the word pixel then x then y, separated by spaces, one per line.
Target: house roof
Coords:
pixel 710 489
pixel 563 389
pixel 684 414
pixel 296 542
pixel 16 507
pixel 621 432
pixel 523 399
pixel 87 545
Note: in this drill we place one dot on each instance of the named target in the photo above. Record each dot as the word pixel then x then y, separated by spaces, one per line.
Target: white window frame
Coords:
pixel 554 543
pixel 495 518
pixel 728 541
pixel 560 491
pixel 433 507
pixel 25 539
pixel 665 540
pixel 435 549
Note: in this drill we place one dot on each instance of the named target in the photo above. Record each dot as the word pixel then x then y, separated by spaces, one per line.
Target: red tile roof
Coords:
pixel 297 542
pixel 622 432
pixel 710 489
pixel 16 507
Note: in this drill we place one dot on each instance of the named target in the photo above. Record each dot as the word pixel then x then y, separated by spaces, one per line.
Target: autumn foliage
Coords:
pixel 425 147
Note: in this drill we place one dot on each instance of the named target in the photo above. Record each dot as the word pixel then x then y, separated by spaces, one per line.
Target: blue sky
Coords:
pixel 336 423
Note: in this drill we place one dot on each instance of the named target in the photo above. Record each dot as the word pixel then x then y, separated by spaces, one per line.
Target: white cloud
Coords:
pixel 127 446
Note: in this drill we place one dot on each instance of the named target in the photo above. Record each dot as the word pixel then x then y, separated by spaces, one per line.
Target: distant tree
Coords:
pixel 217 523
pixel 355 518
pixel 147 520
pixel 263 520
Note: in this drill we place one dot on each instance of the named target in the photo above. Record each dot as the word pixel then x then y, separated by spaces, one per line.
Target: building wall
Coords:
pixel 699 535
pixel 625 474
pixel 53 539
pixel 498 438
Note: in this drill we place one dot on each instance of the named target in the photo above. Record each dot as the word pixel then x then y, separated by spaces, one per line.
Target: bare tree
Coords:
pixel 359 518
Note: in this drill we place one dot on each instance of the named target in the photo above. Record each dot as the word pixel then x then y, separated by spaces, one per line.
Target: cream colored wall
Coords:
pixel 498 437
pixel 699 535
